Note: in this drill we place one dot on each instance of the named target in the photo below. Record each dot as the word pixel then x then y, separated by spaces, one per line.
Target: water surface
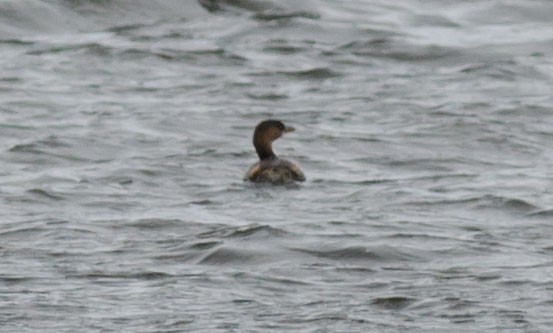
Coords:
pixel 424 129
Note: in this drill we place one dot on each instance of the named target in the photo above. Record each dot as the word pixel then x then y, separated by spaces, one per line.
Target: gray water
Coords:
pixel 424 129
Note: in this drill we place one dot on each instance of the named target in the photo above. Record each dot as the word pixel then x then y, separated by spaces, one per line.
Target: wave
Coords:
pixel 265 10
pixel 394 49
pixel 361 253
pixel 225 255
pixel 24 18
pixel 32 17
pixel 487 201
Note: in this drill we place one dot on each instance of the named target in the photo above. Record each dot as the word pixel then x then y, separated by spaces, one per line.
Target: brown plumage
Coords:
pixel 270 168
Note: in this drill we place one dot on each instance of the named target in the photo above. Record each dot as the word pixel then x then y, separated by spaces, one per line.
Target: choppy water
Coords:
pixel 424 128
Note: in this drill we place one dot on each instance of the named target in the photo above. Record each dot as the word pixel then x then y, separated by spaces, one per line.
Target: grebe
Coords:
pixel 270 168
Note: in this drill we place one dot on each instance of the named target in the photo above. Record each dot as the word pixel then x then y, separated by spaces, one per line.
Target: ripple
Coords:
pixel 15 280
pixel 279 15
pixel 54 148
pixel 121 276
pixel 150 224
pixel 513 205
pixel 503 70
pixel 319 73
pixel 226 255
pixel 91 48
pixel 254 231
pixel 269 96
pixel 23 232
pixel 392 49
pixel 313 74
pixel 503 203
pixel 205 245
pixel 45 194
pixel 542 213
pixel 280 46
pixel 49 142
pixel 356 253
pixel 16 42
pixel 393 302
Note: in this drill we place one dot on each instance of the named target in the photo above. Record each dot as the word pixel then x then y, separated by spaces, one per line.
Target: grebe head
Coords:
pixel 265 133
